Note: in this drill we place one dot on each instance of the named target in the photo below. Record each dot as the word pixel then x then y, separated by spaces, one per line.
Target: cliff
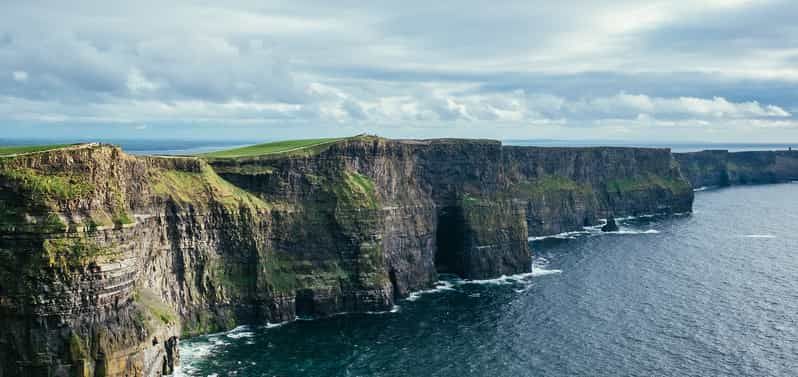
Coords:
pixel 723 168
pixel 107 259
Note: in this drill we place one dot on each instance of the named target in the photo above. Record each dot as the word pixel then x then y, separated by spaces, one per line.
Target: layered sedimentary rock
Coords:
pixel 723 168
pixel 107 259
pixel 568 188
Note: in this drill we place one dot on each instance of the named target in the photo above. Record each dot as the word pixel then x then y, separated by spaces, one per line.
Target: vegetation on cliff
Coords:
pixel 549 184
pixel 648 182
pixel 14 150
pixel 272 148
pixel 201 188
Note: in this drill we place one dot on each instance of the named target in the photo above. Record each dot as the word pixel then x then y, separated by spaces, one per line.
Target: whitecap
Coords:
pixel 562 236
pixel 501 280
pixel 240 332
pixel 539 267
pixel 702 188
pixel 270 325
pixel 759 236
pixel 393 309
pixel 218 341
pixel 440 286
pixel 633 231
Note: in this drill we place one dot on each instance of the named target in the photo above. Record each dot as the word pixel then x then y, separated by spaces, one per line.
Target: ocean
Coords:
pixel 711 293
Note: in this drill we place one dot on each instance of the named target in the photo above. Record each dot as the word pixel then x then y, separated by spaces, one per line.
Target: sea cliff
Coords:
pixel 107 259
pixel 718 168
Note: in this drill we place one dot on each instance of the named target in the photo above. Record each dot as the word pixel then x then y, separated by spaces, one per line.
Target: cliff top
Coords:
pixel 312 146
pixel 284 146
pixel 10 151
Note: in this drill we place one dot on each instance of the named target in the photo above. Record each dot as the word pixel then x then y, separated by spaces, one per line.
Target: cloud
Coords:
pixel 528 65
pixel 20 76
pixel 625 105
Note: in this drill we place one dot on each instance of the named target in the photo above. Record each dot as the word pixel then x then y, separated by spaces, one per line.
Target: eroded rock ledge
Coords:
pixel 107 259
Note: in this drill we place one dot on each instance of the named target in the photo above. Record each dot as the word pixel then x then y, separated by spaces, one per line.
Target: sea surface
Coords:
pixel 712 293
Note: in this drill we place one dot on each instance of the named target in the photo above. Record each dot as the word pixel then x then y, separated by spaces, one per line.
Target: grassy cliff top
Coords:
pixel 276 147
pixel 23 149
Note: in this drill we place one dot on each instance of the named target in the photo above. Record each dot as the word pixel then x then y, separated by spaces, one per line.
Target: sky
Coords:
pixel 678 70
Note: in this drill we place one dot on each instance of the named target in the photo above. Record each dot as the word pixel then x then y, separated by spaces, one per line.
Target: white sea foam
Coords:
pixel 562 236
pixel 759 236
pixel 218 341
pixel 394 309
pixel 501 280
pixel 543 272
pixel 240 332
pixel 702 188
pixel 440 286
pixel 540 267
pixel 633 231
pixel 270 325
pixel 594 230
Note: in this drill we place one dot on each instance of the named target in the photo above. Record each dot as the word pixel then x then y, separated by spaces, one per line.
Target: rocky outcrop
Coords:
pixel 719 168
pixel 610 226
pixel 106 259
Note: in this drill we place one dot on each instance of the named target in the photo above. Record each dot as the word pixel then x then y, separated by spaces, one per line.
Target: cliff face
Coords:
pixel 106 259
pixel 568 188
pixel 722 168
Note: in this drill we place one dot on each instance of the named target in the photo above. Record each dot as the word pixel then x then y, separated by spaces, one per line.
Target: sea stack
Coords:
pixel 610 226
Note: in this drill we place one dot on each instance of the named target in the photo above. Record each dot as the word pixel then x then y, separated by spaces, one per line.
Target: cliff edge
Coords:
pixel 719 168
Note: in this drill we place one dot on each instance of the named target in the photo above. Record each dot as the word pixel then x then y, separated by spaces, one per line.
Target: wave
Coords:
pixel 633 231
pixel 539 268
pixel 270 325
pixel 594 230
pixel 439 286
pixel 702 188
pixel 393 309
pixel 562 236
pixel 759 236
pixel 240 332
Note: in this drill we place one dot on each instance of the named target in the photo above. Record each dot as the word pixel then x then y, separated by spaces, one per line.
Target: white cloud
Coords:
pixel 20 76
pixel 137 83
pixel 631 105
pixel 565 63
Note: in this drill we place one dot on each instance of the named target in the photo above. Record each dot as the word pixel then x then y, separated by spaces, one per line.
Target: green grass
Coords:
pixel 355 191
pixel 22 149
pixel 42 187
pixel 549 184
pixel 272 148
pixel 202 188
pixel 646 183
pixel 75 253
pixel 157 309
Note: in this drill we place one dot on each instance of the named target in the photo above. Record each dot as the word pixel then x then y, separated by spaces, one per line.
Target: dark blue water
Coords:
pixel 714 293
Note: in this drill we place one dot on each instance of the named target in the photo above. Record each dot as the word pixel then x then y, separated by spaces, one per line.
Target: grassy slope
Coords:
pixel 20 149
pixel 271 148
